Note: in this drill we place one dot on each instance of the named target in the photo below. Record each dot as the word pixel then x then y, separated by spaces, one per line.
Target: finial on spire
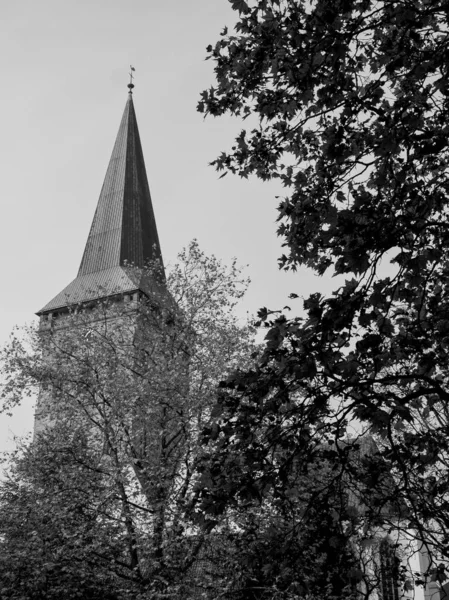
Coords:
pixel 131 77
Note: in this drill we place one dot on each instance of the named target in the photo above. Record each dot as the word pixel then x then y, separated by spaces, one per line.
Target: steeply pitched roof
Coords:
pixel 123 233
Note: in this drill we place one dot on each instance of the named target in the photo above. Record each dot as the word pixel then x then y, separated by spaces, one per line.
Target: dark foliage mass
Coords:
pixel 55 526
pixel 351 104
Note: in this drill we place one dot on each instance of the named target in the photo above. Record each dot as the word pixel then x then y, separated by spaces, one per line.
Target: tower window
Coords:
pixel 389 575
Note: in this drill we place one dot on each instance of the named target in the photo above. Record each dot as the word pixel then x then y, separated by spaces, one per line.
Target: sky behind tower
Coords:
pixel 65 70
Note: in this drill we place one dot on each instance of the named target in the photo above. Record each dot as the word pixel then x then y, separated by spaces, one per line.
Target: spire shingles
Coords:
pixel 123 233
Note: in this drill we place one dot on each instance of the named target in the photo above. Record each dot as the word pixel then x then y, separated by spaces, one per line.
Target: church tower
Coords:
pixel 122 244
pixel 123 237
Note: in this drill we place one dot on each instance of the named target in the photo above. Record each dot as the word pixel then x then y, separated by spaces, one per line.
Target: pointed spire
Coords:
pixel 123 232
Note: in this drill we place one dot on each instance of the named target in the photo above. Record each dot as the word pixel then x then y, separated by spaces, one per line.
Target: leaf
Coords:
pixel 240 5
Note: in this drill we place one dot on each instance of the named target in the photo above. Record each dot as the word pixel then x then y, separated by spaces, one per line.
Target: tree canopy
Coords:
pixel 348 102
pixel 98 505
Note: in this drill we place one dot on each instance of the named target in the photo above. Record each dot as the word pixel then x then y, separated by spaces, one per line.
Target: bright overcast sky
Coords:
pixel 65 69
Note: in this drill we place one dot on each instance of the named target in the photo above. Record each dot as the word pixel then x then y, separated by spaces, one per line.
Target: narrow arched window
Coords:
pixel 389 571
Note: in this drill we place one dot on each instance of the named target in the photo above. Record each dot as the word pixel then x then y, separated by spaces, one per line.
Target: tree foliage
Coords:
pixel 98 506
pixel 351 103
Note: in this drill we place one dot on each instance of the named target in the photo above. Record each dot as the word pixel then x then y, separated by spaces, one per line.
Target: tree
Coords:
pixel 98 505
pixel 351 104
pixel 291 542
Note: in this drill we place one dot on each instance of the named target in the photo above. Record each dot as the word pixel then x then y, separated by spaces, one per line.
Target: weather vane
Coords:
pixel 131 77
